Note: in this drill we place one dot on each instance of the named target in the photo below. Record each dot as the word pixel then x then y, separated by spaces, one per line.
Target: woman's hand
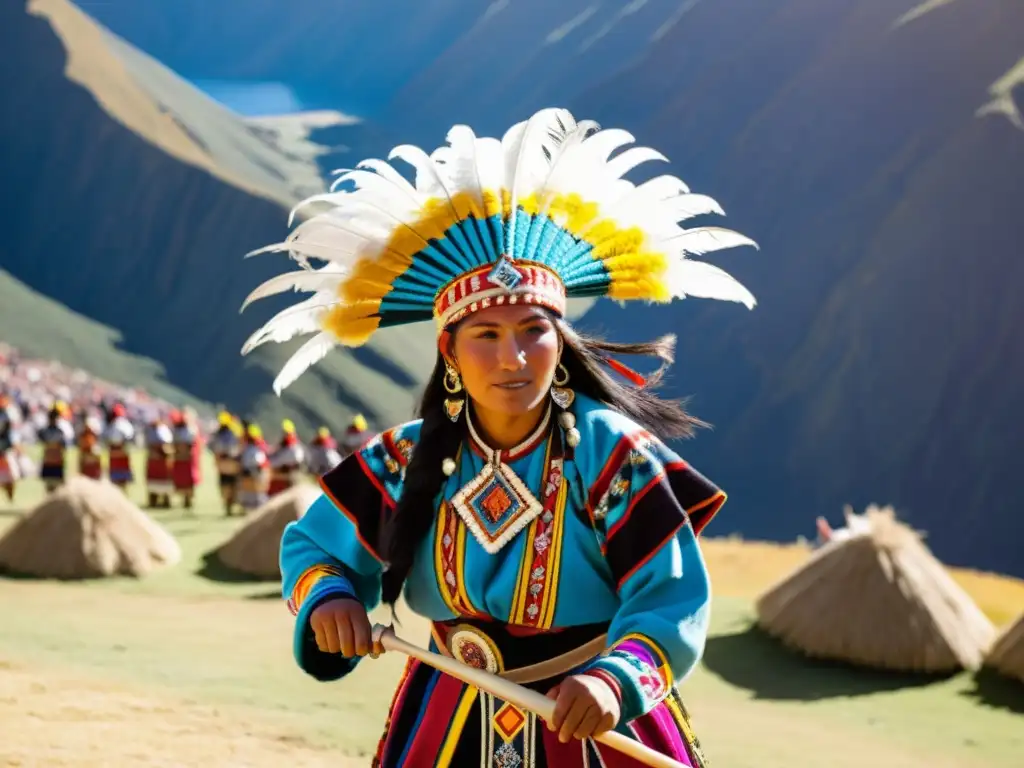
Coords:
pixel 342 626
pixel 585 707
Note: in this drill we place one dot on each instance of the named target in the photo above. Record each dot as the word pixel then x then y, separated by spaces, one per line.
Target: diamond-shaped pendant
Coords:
pixel 495 505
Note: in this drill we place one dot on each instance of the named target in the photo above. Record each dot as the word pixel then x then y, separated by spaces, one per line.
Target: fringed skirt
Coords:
pixel 435 720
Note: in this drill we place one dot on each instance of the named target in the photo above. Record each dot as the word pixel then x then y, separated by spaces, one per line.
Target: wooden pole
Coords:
pixel 523 698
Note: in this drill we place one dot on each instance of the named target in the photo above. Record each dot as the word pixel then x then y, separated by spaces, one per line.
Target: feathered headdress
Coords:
pixel 540 216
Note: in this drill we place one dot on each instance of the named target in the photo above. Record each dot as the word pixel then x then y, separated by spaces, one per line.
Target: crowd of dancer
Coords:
pixel 59 408
pixel 251 471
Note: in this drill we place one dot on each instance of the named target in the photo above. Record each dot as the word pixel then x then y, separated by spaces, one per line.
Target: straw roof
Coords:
pixel 86 529
pixel 1007 654
pixel 255 547
pixel 877 597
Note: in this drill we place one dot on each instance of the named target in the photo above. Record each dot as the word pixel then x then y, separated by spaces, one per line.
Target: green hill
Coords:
pixel 138 197
pixel 40 327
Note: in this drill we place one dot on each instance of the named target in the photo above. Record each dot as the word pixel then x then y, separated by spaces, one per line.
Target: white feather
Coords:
pixel 391 174
pixel 623 163
pixel 601 144
pixel 309 354
pixel 706 281
pixel 429 179
pixel 296 320
pixel 527 154
pixel 701 240
pixel 326 279
pixel 682 207
pixel 490 164
pixel 458 161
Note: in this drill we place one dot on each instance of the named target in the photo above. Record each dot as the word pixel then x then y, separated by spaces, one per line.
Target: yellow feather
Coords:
pixel 491 205
pixel 639 288
pixel 644 262
pixel 623 242
pixel 353 324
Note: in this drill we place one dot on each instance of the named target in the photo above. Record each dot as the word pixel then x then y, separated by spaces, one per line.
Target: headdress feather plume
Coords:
pixel 543 213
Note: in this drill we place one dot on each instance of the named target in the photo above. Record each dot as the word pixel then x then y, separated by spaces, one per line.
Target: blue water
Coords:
pixel 255 98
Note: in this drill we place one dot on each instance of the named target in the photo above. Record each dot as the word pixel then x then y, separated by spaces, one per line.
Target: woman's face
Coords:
pixel 506 357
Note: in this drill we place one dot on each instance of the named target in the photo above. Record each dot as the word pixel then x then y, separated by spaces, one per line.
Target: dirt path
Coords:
pixel 50 719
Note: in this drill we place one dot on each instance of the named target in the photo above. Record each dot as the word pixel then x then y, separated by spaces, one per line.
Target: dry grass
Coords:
pixel 745 568
pixel 86 529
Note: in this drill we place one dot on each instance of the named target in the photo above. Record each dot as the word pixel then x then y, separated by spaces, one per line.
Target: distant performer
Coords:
pixel 119 436
pixel 287 461
pixel 90 456
pixel 187 441
pixel 55 437
pixel 255 478
pixel 323 453
pixel 10 452
pixel 226 446
pixel 357 433
pixel 159 463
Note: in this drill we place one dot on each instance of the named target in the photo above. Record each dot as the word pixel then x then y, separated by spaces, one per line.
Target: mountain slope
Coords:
pixel 884 361
pixel 873 148
pixel 136 198
pixel 39 327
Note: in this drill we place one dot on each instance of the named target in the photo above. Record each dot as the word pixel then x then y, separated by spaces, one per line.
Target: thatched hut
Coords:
pixel 1007 654
pixel 253 549
pixel 877 598
pixel 86 529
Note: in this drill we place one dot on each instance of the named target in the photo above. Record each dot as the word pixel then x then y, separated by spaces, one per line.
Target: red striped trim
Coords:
pixel 715 502
pixel 654 481
pixel 372 477
pixel 650 555
pixel 352 519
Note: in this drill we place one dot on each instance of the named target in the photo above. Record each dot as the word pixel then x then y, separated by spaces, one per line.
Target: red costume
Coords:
pixel 119 436
pixel 286 462
pixel 90 462
pixel 159 442
pixel 187 454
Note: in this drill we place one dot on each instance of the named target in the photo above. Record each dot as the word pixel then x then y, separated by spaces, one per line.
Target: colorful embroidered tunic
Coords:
pixel 555 561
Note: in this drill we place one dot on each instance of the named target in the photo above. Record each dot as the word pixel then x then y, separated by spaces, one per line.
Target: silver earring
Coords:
pixel 560 392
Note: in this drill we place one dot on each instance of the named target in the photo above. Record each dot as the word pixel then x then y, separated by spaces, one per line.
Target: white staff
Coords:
pixel 516 694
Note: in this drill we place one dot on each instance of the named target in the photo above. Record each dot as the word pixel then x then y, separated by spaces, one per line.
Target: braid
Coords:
pixel 439 438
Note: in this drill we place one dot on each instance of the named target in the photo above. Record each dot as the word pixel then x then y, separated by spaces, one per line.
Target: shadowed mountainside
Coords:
pixel 874 149
pixel 136 198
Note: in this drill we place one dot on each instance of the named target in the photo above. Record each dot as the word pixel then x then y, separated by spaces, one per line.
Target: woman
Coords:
pixel 186 473
pixel 159 466
pixel 10 450
pixel 55 437
pixel 119 436
pixel 226 445
pixel 287 461
pixel 90 458
pixel 254 480
pixel 531 514
pixel 323 453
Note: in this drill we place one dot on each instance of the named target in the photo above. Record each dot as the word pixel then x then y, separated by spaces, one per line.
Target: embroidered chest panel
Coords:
pixel 495 507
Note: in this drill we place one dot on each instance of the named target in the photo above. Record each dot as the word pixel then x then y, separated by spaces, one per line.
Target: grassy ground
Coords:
pixel 184 668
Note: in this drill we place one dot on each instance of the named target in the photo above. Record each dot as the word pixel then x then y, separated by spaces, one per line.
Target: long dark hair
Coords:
pixel 440 438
